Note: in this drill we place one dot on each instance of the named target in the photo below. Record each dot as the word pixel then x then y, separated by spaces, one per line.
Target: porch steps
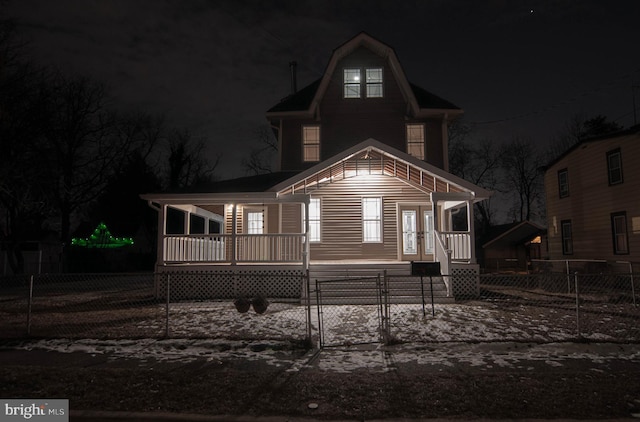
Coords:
pixel 357 285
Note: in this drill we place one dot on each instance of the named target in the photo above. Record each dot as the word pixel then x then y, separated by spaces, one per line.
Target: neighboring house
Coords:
pixel 511 247
pixel 362 182
pixel 593 207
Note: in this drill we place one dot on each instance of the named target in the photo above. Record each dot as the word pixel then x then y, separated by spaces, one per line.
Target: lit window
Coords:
pixel 311 143
pixel 619 233
pixel 255 222
pixel 351 83
pixel 415 141
pixel 374 83
pixel 567 237
pixel 614 166
pixel 563 183
pixel 372 219
pixel 314 220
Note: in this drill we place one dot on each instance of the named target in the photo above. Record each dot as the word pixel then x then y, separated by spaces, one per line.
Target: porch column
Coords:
pixel 305 252
pixel 162 231
pixel 234 229
pixel 472 231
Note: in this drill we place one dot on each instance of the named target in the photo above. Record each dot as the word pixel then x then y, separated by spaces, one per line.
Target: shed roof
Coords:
pixel 515 233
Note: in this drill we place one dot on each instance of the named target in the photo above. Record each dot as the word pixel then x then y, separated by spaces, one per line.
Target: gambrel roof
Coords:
pixel 421 102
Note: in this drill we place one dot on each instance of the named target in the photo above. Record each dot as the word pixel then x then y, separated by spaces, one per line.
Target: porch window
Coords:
pixel 619 233
pixel 415 140
pixel 314 220
pixel 311 143
pixel 371 220
pixel 374 83
pixel 196 224
pixel 215 227
pixel 614 166
pixel 567 237
pixel 175 221
pixel 255 222
pixel 351 83
pixel 563 183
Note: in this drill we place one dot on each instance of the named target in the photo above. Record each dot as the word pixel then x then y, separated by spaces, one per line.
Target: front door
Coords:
pixel 416 232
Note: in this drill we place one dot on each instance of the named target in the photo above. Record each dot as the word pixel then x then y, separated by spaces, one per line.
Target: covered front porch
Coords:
pixel 199 232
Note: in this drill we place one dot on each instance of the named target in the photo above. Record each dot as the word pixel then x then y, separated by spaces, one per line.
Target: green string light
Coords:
pixel 102 238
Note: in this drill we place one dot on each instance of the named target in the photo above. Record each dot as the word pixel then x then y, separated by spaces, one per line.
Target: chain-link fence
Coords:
pixel 542 307
pixel 186 305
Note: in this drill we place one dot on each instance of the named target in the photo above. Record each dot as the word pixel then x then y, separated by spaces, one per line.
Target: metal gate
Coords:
pixel 352 311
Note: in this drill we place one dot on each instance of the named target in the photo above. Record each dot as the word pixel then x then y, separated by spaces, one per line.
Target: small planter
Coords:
pixel 242 304
pixel 260 305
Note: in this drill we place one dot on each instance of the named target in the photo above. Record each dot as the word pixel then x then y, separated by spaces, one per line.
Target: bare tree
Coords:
pixel 22 208
pixel 577 128
pixel 478 163
pixel 260 157
pixel 521 163
pixel 188 165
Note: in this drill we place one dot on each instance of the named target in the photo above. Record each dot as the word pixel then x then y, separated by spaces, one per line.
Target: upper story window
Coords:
pixel 619 233
pixel 415 140
pixel 563 183
pixel 614 166
pixel 373 82
pixel 311 143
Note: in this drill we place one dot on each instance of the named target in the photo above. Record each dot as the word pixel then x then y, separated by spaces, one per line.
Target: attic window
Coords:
pixel 373 82
pixel 352 83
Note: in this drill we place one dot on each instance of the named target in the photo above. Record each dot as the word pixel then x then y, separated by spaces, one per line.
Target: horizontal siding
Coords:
pixel 342 217
pixel 591 200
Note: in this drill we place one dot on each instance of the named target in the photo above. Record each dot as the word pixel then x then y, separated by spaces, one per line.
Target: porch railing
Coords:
pixel 443 255
pixel 459 243
pixel 227 248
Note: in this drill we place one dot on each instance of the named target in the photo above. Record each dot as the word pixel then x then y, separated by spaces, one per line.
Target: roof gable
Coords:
pixel 374 157
pixel 420 102
pixel 633 130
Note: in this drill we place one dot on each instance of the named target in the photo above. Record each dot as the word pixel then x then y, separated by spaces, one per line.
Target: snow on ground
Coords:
pixel 478 336
pixel 374 358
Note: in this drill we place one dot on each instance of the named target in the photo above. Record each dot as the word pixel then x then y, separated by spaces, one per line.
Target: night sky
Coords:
pixel 517 68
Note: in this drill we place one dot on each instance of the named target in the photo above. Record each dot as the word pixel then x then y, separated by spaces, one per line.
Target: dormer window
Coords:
pixel 373 82
pixel 352 83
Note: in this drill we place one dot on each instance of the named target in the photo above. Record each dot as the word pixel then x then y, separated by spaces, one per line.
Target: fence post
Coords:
pixel 568 276
pixel 577 305
pixel 168 291
pixel 308 287
pixel 29 305
pixel 633 289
